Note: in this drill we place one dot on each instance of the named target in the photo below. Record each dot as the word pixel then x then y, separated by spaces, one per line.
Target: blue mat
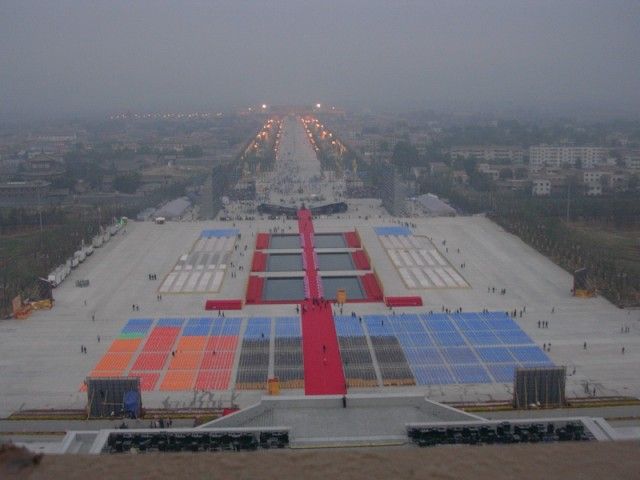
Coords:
pixel 170 322
pixel 502 372
pixel 433 375
pixel 459 355
pixel 221 232
pixel 495 355
pixel 471 373
pixel 395 231
pixel 448 339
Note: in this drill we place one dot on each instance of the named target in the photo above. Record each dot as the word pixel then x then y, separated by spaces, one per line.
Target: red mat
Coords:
pixel 323 374
pixel 259 263
pixel 262 241
pixel 352 239
pixel 254 289
pixel 372 287
pixel 223 305
pixel 403 301
pixel 360 260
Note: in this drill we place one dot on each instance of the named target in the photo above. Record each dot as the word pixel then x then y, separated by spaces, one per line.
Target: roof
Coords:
pixel 434 206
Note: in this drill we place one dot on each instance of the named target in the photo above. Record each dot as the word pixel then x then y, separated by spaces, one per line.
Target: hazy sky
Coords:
pixel 65 57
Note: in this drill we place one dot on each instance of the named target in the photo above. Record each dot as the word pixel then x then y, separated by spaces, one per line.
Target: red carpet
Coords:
pixel 372 287
pixel 323 374
pixel 259 263
pixel 352 239
pixel 360 260
pixel 262 241
pixel 254 289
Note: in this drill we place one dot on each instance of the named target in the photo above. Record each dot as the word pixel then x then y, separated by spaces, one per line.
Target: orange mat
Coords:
pixel 213 380
pixel 178 380
pixel 217 360
pixel 150 361
pixel 125 345
pixel 185 361
pixel 148 380
pixel 114 362
pixel 191 343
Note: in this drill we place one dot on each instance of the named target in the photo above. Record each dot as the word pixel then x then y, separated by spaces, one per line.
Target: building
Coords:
pixel 541 187
pixel 393 193
pixel 489 153
pixel 24 189
pixel 557 156
pixel 632 161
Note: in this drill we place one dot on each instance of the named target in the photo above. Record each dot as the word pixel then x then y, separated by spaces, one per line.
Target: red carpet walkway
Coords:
pixel 323 374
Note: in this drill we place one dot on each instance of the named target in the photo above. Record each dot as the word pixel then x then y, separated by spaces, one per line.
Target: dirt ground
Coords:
pixel 549 461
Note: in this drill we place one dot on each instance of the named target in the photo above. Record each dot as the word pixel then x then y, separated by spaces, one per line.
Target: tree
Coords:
pixel 127 182
pixel 405 155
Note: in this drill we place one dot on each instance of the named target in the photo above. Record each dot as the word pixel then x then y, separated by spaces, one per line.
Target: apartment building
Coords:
pixel 557 156
pixel 489 153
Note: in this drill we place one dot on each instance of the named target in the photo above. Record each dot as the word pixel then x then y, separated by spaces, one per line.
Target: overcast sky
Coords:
pixel 79 57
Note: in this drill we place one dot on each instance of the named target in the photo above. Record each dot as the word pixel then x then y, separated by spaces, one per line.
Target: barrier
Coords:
pixel 403 301
pixel 223 304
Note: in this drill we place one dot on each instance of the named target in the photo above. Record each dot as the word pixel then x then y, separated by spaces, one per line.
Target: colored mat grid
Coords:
pixel 482 337
pixel 471 373
pixel 161 332
pixel 159 344
pixel 114 362
pixel 185 361
pixel 495 355
pixel 148 380
pixel 218 360
pixel 448 339
pixel 458 355
pixel 231 326
pixel 220 233
pixel 175 380
pixel 150 361
pixel 288 327
pixel 105 373
pixel 170 322
pixel 124 345
pixel 137 325
pixel 348 326
pixel 530 354
pixel 438 323
pixel 502 372
pixel 513 337
pixel 223 343
pixel 433 375
pixel 191 344
pixel 258 327
pixel 213 380
pixel 134 335
pixel 196 331
pixel 424 356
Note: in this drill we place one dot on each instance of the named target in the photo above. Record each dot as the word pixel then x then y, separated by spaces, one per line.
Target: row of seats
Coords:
pixel 501 433
pixel 167 441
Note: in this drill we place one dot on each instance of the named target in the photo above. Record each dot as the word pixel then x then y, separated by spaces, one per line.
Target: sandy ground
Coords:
pixel 561 461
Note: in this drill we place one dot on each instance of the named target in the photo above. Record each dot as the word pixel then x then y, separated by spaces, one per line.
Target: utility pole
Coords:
pixel 568 198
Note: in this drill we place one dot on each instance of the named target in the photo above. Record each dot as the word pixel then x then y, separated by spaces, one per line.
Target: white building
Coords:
pixel 546 155
pixel 632 161
pixel 489 153
pixel 541 187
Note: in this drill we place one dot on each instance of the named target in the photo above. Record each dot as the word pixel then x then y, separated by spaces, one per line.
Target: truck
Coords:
pixel 89 250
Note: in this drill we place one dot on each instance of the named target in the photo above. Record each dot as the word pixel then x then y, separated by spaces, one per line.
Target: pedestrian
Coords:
pixel 98 338
pixel 584 346
pixel 544 347
pixel 93 317
pixel 553 309
pixel 622 350
pixel 538 323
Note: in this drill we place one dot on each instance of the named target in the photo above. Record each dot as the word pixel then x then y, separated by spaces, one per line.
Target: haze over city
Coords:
pixel 81 58
pixel 355 232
